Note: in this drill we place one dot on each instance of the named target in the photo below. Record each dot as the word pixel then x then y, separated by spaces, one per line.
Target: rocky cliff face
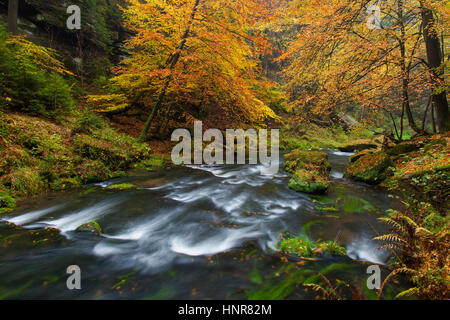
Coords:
pixel 87 51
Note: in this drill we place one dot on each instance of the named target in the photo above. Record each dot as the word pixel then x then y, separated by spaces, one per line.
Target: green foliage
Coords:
pixel 306 136
pixel 23 181
pixel 88 122
pixel 7 203
pixel 40 155
pixel 30 78
pixel 303 246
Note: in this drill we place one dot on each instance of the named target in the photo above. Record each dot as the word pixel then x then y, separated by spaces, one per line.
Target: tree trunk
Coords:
pixel 405 71
pixel 434 57
pixel 173 61
pixel 13 12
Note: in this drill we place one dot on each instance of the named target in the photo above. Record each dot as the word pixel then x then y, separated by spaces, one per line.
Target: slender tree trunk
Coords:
pixel 405 71
pixel 426 112
pixel 173 61
pixel 433 121
pixel 434 57
pixel 401 121
pixel 395 126
pixel 13 12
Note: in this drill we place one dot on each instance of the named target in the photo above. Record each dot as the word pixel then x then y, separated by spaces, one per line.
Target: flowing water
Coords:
pixel 196 232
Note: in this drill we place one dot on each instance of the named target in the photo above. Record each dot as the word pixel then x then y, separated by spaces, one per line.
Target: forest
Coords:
pixel 92 93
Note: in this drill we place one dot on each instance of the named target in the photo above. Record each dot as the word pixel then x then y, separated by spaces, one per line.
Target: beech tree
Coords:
pixel 193 54
pixel 13 11
pixel 337 63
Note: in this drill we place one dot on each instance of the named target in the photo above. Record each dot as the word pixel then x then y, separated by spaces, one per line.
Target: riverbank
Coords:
pixel 39 155
pixel 418 169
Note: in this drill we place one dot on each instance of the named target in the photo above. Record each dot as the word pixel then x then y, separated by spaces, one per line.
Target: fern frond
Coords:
pixel 317 288
pixel 394 224
pixel 390 238
pixel 407 293
pixel 389 246
pixel 408 220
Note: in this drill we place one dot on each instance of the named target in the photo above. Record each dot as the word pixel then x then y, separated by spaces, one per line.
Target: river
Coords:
pixel 196 232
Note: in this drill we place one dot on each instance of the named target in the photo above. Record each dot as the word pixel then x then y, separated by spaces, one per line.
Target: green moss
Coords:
pixel 309 182
pixel 12 236
pixel 95 149
pixel 23 182
pixel 370 168
pixel 310 171
pixel 122 186
pixel 327 209
pixel 152 163
pixel 92 227
pixel 359 145
pixel 331 247
pixel 306 248
pixel 403 148
pixel 91 171
pixel 7 203
pixel 64 184
pixel 41 155
pixel 358 155
pixel 302 247
pixel 14 158
pixel 298 159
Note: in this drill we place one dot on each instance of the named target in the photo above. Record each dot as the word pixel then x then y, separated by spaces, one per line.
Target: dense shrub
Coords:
pixel 31 78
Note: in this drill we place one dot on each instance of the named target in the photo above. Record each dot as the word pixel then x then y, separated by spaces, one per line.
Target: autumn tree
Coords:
pixel 337 62
pixel 197 55
pixel 436 61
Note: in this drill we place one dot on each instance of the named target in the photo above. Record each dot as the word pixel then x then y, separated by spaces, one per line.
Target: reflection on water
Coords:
pixel 192 232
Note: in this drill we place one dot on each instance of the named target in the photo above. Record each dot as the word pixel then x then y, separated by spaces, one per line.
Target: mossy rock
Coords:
pixel 92 227
pixel 7 203
pixel 298 159
pixel 122 186
pixel 330 247
pixel 358 155
pixel 304 247
pixel 402 148
pixel 370 168
pixel 12 236
pixel 435 144
pixel 309 181
pixel 358 146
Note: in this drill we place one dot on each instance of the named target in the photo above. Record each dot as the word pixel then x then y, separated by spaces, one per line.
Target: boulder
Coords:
pixel 299 159
pixel 13 236
pixel 358 155
pixel 402 148
pixel 309 181
pixel 358 145
pixel 370 168
pixel 92 227
pixel 310 169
